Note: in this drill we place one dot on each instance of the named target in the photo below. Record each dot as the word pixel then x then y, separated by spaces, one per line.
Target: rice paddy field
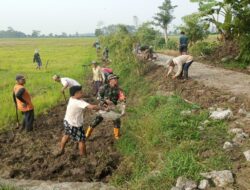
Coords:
pixel 59 56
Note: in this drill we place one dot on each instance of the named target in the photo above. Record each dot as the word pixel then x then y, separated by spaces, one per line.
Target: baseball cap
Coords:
pixel 19 77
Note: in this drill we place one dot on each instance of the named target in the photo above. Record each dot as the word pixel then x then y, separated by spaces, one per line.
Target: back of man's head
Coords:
pixel 74 89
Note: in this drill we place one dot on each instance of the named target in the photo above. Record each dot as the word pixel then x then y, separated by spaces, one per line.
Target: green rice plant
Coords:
pixel 65 57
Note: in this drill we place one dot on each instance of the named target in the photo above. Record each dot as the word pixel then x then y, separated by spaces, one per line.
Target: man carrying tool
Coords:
pixel 112 99
pixel 105 55
pixel 97 46
pixel 183 63
pixel 37 59
pixel 23 103
pixel 73 120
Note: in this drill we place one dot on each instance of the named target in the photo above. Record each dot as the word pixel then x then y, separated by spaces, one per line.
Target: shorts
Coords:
pixel 76 133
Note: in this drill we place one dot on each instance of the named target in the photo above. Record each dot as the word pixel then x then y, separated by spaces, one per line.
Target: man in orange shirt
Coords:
pixel 23 103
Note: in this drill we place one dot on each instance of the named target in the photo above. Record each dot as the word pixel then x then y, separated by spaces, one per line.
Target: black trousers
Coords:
pixel 98 119
pixel 28 120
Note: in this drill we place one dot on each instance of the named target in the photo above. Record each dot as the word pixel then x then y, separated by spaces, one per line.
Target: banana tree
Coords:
pixel 220 14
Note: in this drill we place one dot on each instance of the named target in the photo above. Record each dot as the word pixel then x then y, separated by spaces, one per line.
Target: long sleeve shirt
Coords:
pixel 179 62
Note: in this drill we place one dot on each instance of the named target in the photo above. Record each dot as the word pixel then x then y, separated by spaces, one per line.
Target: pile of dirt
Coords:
pixel 32 155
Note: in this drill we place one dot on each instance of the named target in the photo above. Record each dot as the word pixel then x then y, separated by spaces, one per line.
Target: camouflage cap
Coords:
pixel 111 76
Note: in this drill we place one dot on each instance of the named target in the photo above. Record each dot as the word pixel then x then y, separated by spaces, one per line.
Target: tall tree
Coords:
pixel 164 17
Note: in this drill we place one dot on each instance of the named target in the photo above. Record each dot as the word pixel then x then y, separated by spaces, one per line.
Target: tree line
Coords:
pixel 11 33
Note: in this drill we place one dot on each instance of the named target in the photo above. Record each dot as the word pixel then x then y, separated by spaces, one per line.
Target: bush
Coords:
pixel 244 47
pixel 147 35
pixel 172 45
pixel 159 43
pixel 203 48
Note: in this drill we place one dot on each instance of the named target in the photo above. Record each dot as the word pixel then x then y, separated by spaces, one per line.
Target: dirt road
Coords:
pixel 226 80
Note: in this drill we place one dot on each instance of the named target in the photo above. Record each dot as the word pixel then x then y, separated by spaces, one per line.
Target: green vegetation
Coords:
pixel 159 143
pixel 147 35
pixel 203 48
pixel 66 57
pixel 234 28
pixel 195 29
pixel 8 187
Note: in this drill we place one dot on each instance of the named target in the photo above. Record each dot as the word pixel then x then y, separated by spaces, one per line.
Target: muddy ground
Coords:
pixel 32 155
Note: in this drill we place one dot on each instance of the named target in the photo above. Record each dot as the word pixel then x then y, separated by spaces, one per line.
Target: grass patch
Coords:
pixel 235 65
pixel 8 187
pixel 160 139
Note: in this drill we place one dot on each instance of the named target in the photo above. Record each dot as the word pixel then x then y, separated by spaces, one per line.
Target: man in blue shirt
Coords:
pixel 183 43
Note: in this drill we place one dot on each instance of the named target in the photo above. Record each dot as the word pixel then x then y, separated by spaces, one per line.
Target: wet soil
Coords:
pixel 32 155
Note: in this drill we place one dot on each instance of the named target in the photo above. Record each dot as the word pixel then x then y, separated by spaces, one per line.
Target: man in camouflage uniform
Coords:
pixel 112 99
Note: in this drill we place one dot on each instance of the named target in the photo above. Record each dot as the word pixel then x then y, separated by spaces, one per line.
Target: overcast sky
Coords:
pixel 81 16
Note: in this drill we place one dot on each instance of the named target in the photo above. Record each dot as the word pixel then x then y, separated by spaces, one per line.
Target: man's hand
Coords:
pixel 174 77
pixel 104 107
pixel 109 102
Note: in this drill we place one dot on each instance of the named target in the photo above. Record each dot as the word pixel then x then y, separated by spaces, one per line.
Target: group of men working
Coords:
pixel 111 106
pixel 145 52
pixel 105 87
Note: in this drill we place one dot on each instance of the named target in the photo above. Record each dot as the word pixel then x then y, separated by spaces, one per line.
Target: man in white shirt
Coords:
pixel 73 120
pixel 66 82
pixel 183 63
